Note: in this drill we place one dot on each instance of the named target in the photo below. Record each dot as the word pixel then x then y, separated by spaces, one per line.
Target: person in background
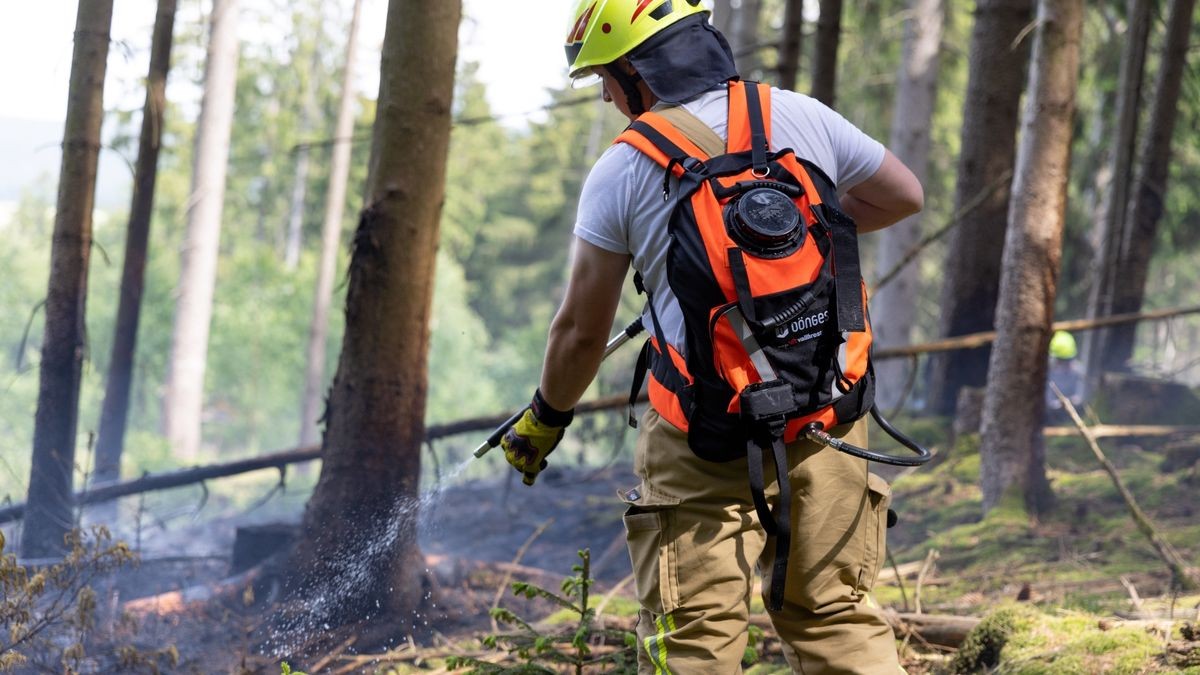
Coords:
pixel 1065 373
pixel 693 533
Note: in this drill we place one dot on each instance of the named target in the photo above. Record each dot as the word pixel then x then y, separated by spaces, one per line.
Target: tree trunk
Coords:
pixel 825 52
pixel 308 116
pixel 793 44
pixel 183 401
pixel 972 269
pixel 295 224
pixel 370 472
pixel 49 503
pixel 115 411
pixel 744 40
pixel 1107 277
pixel 722 17
pixel 1011 445
pixel 894 306
pixel 1146 209
pixel 331 231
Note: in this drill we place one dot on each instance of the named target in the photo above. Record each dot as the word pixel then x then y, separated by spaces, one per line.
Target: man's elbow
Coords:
pixel 913 201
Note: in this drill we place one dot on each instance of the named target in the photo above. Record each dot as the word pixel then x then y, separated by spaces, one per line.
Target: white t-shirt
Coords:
pixel 621 207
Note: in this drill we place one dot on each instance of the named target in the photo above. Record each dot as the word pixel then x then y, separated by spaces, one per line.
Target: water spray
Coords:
pixel 613 345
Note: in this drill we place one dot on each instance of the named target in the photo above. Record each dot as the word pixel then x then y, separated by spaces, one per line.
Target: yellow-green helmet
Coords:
pixel 605 30
pixel 1062 345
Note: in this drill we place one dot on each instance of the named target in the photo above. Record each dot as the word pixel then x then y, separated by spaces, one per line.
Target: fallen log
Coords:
pixel 981 339
pixel 279 460
pixel 1125 431
pixel 941 630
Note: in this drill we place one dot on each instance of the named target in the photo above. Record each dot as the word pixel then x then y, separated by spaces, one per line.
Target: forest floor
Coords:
pixel 1078 591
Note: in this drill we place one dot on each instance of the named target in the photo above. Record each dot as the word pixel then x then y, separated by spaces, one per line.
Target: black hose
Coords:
pixel 816 433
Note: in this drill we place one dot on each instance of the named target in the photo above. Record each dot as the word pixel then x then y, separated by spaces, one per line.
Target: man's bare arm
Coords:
pixel 889 195
pixel 580 330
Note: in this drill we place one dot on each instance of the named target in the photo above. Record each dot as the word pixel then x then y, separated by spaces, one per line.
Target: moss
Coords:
pixel 1087 650
pixel 982 649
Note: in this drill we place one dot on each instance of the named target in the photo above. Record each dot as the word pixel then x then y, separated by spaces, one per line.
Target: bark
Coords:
pixel 1146 209
pixel 331 231
pixel 1106 275
pixel 793 44
pixel 115 410
pixel 183 401
pixel 972 268
pixel 722 17
pixel 825 52
pixel 894 306
pixel 308 116
pixel 63 347
pixel 375 418
pixel 745 37
pixel 1012 448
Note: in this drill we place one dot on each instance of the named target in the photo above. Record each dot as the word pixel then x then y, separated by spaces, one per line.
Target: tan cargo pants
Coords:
pixel 694 540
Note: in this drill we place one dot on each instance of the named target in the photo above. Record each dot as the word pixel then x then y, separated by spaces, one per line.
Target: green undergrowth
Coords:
pixel 1071 558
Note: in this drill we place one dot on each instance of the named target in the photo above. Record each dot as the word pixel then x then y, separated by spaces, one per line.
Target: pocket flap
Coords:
pixel 646 496
pixel 881 491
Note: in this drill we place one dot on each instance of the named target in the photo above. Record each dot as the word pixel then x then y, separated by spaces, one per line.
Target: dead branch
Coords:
pixel 930 559
pixel 938 630
pixel 1125 430
pixel 956 220
pixel 341 649
pixel 278 460
pixel 1166 552
pixel 981 339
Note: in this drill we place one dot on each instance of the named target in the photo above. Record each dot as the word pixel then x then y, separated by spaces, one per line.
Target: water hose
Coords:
pixel 816 433
pixel 627 334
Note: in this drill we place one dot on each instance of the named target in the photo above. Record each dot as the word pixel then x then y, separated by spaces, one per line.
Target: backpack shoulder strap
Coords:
pixel 696 131
pixel 656 137
pixel 750 120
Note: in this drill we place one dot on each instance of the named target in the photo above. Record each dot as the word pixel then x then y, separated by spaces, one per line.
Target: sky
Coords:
pixel 516 42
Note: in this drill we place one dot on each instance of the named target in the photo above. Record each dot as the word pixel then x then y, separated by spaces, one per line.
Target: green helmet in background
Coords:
pixel 1062 346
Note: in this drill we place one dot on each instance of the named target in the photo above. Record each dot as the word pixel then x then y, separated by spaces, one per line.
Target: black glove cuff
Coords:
pixel 548 415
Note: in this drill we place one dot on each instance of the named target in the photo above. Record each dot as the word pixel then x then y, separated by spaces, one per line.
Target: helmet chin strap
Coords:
pixel 628 84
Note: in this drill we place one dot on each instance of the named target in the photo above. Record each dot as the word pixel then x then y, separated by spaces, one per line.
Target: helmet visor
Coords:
pixel 586 78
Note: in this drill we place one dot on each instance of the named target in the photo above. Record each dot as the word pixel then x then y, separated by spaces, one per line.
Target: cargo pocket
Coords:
pixel 652 550
pixel 879 495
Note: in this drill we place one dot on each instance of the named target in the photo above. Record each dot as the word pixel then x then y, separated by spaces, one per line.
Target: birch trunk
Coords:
pixel 894 306
pixel 331 231
pixel 183 402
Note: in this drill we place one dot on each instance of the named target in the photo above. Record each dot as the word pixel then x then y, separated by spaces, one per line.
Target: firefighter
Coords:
pixel 693 533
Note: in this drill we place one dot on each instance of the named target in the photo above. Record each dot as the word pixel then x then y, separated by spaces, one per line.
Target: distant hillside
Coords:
pixel 29 153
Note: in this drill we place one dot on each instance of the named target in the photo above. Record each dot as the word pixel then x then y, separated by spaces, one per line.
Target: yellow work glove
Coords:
pixel 527 443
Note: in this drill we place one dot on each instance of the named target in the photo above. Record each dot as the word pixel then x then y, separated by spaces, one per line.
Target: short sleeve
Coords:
pixel 858 156
pixel 820 135
pixel 604 202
